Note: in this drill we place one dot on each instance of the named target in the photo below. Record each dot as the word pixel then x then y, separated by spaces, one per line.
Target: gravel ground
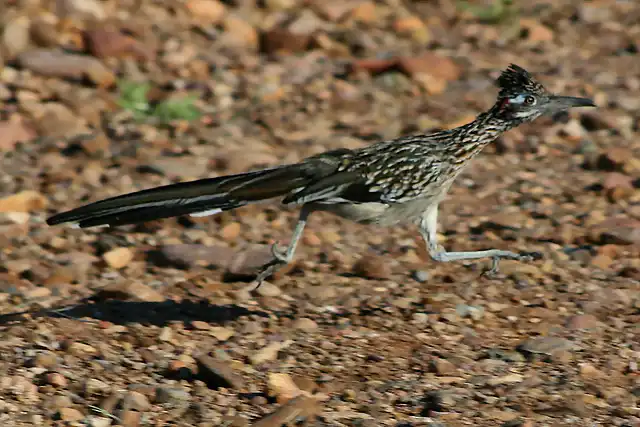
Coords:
pixel 158 325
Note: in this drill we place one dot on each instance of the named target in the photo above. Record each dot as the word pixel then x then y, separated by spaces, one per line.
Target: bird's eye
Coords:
pixel 529 100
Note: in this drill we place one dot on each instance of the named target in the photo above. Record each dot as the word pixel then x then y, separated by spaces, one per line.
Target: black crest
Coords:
pixel 516 80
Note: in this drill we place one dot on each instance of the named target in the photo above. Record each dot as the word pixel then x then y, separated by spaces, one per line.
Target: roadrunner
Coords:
pixel 387 183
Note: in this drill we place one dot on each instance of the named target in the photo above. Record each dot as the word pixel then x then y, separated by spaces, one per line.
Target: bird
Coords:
pixel 388 183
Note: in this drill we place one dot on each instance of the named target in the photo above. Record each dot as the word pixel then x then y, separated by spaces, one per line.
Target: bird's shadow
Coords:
pixel 148 313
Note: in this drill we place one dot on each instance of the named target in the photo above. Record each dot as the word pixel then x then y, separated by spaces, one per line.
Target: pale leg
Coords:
pixel 428 230
pixel 279 258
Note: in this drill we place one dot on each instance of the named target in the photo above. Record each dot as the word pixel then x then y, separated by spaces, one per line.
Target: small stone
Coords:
pixel 13 131
pixel 473 312
pixel 230 232
pixel 16 36
pixel 421 276
pixel 94 386
pixel 25 201
pixel 136 401
pixel 172 396
pixel 536 32
pixel 82 8
pixel 414 27
pixel 305 324
pixel 209 12
pixel 545 345
pixel 106 41
pixel 372 267
pixel 268 353
pixel 190 255
pixel 217 373
pixel 268 289
pixel 618 186
pixel 505 379
pixel 282 387
pixel 239 33
pixel 443 367
pixel 70 415
pixel 56 379
pixel 582 321
pixel 118 258
pixel 221 333
pixel 55 63
pixel 79 348
pixel 249 262
pixel 200 325
pixel 98 421
pixel 129 418
pixel 587 370
pixel 45 359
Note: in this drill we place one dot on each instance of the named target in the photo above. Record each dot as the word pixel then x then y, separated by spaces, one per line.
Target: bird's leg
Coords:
pixel 428 228
pixel 280 257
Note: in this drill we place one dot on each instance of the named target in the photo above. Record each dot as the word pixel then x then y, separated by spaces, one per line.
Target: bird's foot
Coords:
pixel 522 256
pixel 280 259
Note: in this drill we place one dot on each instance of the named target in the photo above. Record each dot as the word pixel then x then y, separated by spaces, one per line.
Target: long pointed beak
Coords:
pixel 565 102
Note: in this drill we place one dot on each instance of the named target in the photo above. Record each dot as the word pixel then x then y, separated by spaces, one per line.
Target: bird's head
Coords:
pixel 523 99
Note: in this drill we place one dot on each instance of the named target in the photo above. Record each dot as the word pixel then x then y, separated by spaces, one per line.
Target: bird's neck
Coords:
pixel 486 128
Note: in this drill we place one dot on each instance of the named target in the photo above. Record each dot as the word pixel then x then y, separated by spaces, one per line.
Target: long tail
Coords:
pixel 197 198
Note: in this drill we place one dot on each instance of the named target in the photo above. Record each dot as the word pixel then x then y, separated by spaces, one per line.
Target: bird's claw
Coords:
pixel 522 256
pixel 279 259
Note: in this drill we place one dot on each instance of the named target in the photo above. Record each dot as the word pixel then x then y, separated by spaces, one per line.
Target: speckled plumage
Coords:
pixel 387 183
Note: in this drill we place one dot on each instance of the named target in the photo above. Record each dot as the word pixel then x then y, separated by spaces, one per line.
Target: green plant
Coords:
pixel 134 98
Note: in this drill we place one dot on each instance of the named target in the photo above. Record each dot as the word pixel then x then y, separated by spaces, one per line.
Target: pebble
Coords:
pixel 372 267
pixel 24 201
pixel 544 345
pixel 172 396
pixel 217 373
pixel 443 367
pixel 136 401
pixel 190 255
pixel 70 415
pixel 282 387
pixel 473 312
pixel 56 379
pixel 268 353
pixel 221 333
pixel 54 63
pixel 305 324
pixel 118 258
pixel 582 321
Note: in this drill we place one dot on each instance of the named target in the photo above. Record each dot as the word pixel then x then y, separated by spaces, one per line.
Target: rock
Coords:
pixel 134 291
pixel 108 41
pixel 25 201
pixel 582 321
pixel 473 312
pixel 217 373
pixel 268 353
pixel 16 36
pixel 93 386
pixel 81 8
pixel 78 348
pixel 305 324
pixel 55 379
pixel 135 401
pixel 505 379
pixel 70 415
pixel 221 333
pixel 618 186
pixel 544 345
pixel 436 66
pixel 268 289
pixel 239 33
pixel 45 359
pixel 55 63
pixel 535 32
pixel 209 12
pixel 13 131
pixel 617 231
pixel 230 232
pixel 443 367
pixel 333 10
pixel 189 255
pixel 172 396
pixel 56 120
pixel 97 421
pixel 413 27
pixel 602 262
pixel 615 159
pixel 372 267
pixel 129 418
pixel 587 370
pixel 118 258
pixel 282 387
pixel 298 407
pixel 249 262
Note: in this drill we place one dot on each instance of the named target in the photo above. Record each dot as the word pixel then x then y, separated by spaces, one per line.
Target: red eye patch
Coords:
pixel 504 103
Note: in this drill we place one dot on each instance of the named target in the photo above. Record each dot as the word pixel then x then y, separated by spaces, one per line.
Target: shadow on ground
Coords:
pixel 148 313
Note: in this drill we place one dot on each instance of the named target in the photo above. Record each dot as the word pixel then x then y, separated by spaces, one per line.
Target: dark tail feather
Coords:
pixel 204 197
